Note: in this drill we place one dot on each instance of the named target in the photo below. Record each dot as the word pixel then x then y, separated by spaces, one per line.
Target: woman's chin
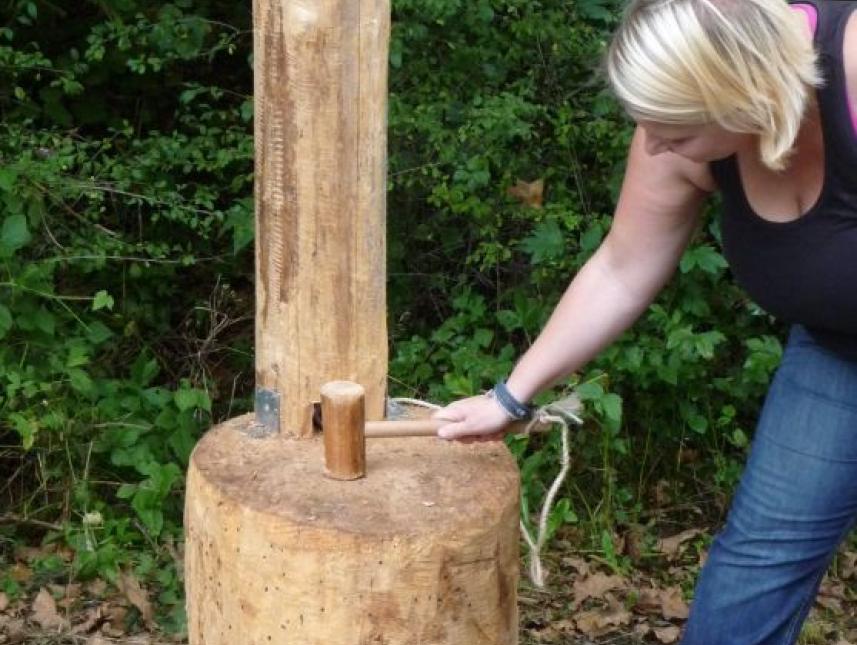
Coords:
pixel 707 157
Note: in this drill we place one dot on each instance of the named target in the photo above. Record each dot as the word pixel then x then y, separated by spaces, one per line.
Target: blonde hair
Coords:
pixel 746 65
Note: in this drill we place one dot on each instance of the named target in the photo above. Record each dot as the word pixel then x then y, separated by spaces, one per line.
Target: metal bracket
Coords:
pixel 267 408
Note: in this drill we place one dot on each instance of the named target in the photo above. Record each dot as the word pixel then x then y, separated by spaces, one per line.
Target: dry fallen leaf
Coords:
pixel 832 589
pixel 595 586
pixel 29 553
pixel 20 573
pixel 93 618
pixel 578 564
pixel 848 565
pixel 597 622
pixel 115 625
pixel 45 611
pixel 831 604
pixel 672 604
pixel 641 630
pixel 635 542
pixel 648 601
pixel 4 601
pixel 667 602
pixel 97 639
pixel 703 557
pixel 96 588
pixel 688 456
pixel 70 593
pixel 670 546
pixel 554 630
pixel 137 596
pixel 668 634
pixel 662 493
pixel 528 193
pixel 12 628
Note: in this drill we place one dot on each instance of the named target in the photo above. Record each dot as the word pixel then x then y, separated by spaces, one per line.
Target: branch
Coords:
pixel 9 518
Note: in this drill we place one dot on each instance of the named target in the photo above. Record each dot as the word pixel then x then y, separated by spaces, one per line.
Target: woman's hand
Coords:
pixel 478 418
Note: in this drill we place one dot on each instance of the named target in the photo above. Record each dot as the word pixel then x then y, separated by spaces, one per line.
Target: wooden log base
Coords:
pixel 424 549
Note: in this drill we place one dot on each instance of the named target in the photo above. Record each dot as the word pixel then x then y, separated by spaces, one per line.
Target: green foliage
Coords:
pixel 125 278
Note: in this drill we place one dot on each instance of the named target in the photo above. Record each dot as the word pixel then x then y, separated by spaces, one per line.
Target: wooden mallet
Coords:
pixel 345 429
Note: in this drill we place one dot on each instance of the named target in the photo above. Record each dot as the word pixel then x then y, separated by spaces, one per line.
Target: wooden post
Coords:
pixel 321 106
pixel 424 549
pixel 344 423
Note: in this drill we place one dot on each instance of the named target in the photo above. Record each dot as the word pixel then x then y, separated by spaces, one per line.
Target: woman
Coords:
pixel 755 99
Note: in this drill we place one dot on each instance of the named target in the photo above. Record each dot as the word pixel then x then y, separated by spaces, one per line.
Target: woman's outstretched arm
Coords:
pixel 656 215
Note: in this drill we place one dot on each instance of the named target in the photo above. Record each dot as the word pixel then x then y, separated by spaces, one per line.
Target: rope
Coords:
pixel 556 413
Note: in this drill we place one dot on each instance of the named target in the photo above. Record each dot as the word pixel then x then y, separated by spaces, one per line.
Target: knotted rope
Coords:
pixel 558 413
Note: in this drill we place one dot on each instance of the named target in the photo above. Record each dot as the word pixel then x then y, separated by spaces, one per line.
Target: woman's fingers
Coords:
pixel 475 419
pixel 455 430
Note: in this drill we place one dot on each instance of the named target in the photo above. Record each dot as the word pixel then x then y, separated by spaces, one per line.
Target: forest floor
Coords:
pixel 639 597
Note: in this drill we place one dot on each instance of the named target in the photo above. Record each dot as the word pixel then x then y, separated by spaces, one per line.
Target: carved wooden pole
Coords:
pixel 321 97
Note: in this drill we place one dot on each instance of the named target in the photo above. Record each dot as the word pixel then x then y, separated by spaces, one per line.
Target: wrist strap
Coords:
pixel 509 403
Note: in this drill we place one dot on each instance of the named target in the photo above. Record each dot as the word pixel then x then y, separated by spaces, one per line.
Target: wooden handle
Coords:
pixel 403 428
pixel 423 428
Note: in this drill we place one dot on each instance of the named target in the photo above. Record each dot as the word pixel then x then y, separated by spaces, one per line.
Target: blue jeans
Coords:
pixel 796 502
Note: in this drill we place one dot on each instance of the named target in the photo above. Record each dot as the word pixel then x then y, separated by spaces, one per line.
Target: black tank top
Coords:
pixel 805 271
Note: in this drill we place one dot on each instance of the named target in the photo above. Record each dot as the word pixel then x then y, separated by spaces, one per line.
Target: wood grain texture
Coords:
pixel 344 430
pixel 423 550
pixel 320 128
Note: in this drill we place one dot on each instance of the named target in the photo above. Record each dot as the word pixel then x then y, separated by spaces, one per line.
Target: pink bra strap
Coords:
pixel 812 18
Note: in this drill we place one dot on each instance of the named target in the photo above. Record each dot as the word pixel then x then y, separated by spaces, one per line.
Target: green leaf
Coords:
pixel 144 370
pixel 102 300
pixel 240 220
pixel 14 233
pixel 45 321
pixel 77 356
pixel 182 442
pixel 26 428
pixel 560 514
pixel 483 337
pixel 5 320
pixel 98 332
pixel 146 503
pixel 8 178
pixel 126 491
pixel 590 240
pixel 203 401
pixel 546 242
pixel 705 257
pixel 589 391
pixel 594 10
pixel 185 399
pixel 612 407
pixel 459 385
pixel 81 381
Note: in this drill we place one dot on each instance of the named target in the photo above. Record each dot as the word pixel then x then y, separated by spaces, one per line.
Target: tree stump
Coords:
pixel 423 550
